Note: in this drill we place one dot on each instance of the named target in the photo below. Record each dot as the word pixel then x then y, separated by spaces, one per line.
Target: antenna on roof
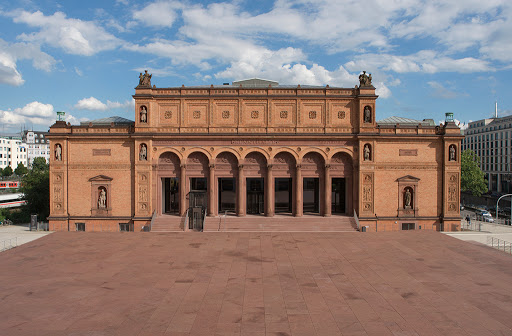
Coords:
pixel 496 109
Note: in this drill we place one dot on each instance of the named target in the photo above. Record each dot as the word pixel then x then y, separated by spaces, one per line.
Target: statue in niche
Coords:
pixel 407 199
pixel 145 79
pixel 367 152
pixel 365 80
pixel 143 154
pixel 58 152
pixel 102 199
pixel 143 114
pixel 367 114
pixel 451 153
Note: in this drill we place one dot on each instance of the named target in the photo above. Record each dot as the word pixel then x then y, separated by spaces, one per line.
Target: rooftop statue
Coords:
pixel 145 79
pixel 365 80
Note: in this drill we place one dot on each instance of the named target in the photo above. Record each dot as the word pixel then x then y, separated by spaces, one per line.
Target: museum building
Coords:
pixel 253 148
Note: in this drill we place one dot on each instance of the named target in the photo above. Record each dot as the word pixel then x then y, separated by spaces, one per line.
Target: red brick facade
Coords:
pixel 264 150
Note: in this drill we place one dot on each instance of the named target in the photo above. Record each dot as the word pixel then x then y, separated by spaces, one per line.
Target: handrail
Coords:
pixel 220 219
pixel 500 244
pixel 152 220
pixel 185 222
pixel 204 218
pixel 357 221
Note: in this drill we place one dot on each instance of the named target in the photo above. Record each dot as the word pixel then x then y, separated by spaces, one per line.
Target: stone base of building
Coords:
pixel 98 225
pixel 400 224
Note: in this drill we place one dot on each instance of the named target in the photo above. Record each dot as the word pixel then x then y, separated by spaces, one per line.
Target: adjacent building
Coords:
pixel 491 140
pixel 37 145
pixel 12 151
pixel 254 148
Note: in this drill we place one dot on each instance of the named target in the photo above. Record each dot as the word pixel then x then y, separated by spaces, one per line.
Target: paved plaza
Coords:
pixel 260 283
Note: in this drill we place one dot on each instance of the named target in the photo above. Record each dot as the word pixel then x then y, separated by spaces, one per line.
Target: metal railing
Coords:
pixel 8 244
pixel 185 221
pixel 220 220
pixel 471 226
pixel 500 244
pixel 357 221
pixel 153 216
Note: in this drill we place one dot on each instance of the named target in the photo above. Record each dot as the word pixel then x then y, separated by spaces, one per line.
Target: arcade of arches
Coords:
pixel 257 183
pixel 255 149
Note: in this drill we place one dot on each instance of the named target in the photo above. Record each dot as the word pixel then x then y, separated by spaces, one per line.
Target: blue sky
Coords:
pixel 84 57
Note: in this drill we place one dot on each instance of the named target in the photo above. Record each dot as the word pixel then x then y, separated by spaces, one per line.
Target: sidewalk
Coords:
pixel 500 231
pixel 21 232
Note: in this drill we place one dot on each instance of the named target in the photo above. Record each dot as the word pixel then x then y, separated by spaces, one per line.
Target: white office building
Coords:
pixel 12 151
pixel 491 140
pixel 37 145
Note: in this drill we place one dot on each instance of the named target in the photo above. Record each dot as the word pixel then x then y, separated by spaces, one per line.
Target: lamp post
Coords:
pixel 497 206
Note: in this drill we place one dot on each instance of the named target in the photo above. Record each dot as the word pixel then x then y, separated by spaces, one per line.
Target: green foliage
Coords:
pixel 36 189
pixel 21 169
pixel 7 171
pixel 39 164
pixel 472 177
pixel 19 216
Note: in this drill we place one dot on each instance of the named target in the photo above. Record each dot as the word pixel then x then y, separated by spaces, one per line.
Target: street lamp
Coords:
pixel 497 206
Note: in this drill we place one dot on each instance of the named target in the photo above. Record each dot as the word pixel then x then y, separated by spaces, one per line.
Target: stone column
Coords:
pixel 241 191
pixel 183 190
pixel 211 190
pixel 270 192
pixel 298 191
pixel 327 191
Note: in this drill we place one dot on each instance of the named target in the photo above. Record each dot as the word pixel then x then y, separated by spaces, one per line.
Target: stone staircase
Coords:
pixel 167 223
pixel 311 223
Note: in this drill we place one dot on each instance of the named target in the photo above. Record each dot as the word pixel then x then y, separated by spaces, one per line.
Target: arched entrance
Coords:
pixel 284 166
pixel 255 168
pixel 226 173
pixel 341 184
pixel 168 172
pixel 313 181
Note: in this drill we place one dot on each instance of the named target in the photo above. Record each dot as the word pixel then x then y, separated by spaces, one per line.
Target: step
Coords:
pixel 167 223
pixel 281 223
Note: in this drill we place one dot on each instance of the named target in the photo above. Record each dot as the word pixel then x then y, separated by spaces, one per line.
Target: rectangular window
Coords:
pixel 408 226
pixel 125 227
pixel 80 226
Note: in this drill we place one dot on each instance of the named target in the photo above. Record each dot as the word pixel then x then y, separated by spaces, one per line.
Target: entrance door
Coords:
pixel 338 196
pixel 255 196
pixel 311 195
pixel 283 195
pixel 227 194
pixel 198 202
pixel 171 194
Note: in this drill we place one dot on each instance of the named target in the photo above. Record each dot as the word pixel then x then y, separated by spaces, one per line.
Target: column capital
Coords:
pixel 270 166
pixel 299 166
pixel 211 165
pixel 240 166
pixel 328 166
pixel 183 166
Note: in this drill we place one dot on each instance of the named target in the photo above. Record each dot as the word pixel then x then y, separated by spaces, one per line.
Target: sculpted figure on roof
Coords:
pixel 145 79
pixel 365 80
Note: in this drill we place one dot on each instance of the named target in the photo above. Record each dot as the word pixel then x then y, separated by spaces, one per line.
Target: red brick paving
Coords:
pixel 260 283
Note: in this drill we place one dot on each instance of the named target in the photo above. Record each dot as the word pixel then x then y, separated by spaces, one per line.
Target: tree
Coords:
pixel 7 171
pixel 36 189
pixel 472 177
pixel 39 163
pixel 21 169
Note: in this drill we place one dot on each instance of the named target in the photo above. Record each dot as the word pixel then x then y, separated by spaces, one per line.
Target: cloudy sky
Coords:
pixel 84 57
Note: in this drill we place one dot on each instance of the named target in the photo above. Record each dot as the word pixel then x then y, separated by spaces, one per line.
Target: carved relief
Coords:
pixel 341 114
pixel 168 114
pixel 225 114
pixel 283 114
pixel 367 192
pixel 312 114
pixel 255 114
pixel 196 114
pixel 143 193
pixel 367 178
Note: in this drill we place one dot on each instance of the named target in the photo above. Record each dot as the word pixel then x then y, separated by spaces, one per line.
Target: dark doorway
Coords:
pixel 227 194
pixel 338 196
pixel 198 202
pixel 198 183
pixel 255 196
pixel 283 195
pixel 311 195
pixel 171 192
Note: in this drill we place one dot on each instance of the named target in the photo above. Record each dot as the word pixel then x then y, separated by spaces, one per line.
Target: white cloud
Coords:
pixel 11 53
pixel 34 113
pixel 74 36
pixel 94 104
pixel 158 14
